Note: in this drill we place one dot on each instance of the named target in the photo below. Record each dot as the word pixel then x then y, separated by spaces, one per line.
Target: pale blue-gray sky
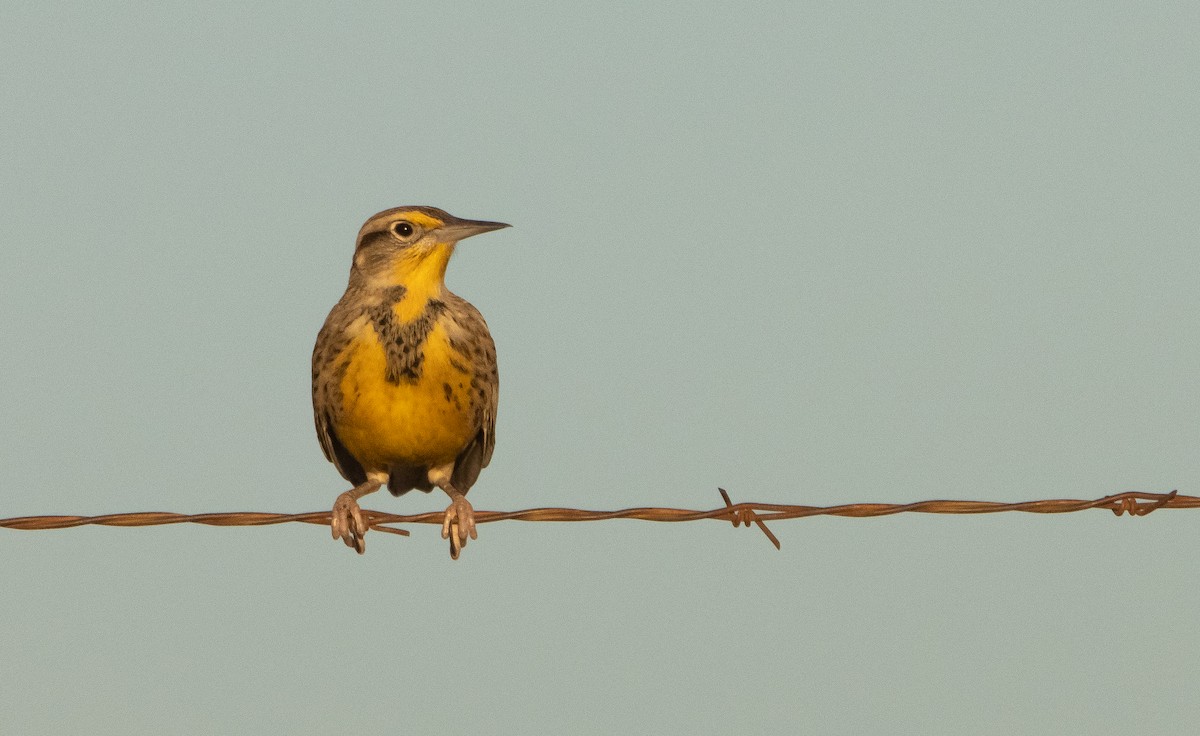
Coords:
pixel 813 253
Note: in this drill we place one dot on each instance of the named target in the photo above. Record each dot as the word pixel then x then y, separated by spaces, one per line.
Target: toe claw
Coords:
pixel 347 523
pixel 458 524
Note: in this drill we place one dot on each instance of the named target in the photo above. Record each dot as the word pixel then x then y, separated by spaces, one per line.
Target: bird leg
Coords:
pixel 459 521
pixel 347 523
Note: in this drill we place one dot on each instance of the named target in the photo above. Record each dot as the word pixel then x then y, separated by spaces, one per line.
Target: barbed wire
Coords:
pixel 1134 503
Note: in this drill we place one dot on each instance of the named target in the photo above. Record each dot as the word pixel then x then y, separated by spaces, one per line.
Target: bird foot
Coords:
pixel 347 523
pixel 458 524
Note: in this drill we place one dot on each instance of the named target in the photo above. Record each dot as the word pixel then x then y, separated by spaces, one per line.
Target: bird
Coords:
pixel 404 378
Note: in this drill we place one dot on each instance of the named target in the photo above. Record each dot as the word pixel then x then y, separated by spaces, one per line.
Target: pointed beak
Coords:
pixel 457 229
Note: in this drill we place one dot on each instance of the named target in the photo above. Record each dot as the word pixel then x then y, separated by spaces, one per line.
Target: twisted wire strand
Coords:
pixel 1134 503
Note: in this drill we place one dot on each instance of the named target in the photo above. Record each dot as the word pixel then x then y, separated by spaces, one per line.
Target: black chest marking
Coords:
pixel 403 342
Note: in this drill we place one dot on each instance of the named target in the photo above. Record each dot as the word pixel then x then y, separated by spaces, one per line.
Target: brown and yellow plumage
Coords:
pixel 405 384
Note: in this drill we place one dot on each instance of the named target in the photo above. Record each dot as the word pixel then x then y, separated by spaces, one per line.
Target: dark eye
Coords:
pixel 403 229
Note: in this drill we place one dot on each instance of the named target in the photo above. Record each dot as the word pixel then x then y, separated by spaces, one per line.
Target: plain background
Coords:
pixel 813 253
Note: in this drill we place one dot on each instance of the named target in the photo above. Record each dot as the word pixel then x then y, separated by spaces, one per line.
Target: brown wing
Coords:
pixel 326 375
pixel 472 339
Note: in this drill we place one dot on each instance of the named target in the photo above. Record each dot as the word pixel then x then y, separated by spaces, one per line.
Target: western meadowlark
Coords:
pixel 404 373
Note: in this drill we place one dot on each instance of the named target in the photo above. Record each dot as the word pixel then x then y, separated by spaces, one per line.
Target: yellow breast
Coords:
pixel 422 422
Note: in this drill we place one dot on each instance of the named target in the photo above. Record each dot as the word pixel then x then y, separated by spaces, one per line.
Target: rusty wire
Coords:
pixel 1131 502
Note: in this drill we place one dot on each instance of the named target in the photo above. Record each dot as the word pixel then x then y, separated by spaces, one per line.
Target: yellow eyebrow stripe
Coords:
pixel 422 219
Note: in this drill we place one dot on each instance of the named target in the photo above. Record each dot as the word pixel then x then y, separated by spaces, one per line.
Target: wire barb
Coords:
pixel 1131 502
pixel 740 514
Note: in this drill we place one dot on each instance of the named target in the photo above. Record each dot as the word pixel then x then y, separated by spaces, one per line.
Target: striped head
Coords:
pixel 406 244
